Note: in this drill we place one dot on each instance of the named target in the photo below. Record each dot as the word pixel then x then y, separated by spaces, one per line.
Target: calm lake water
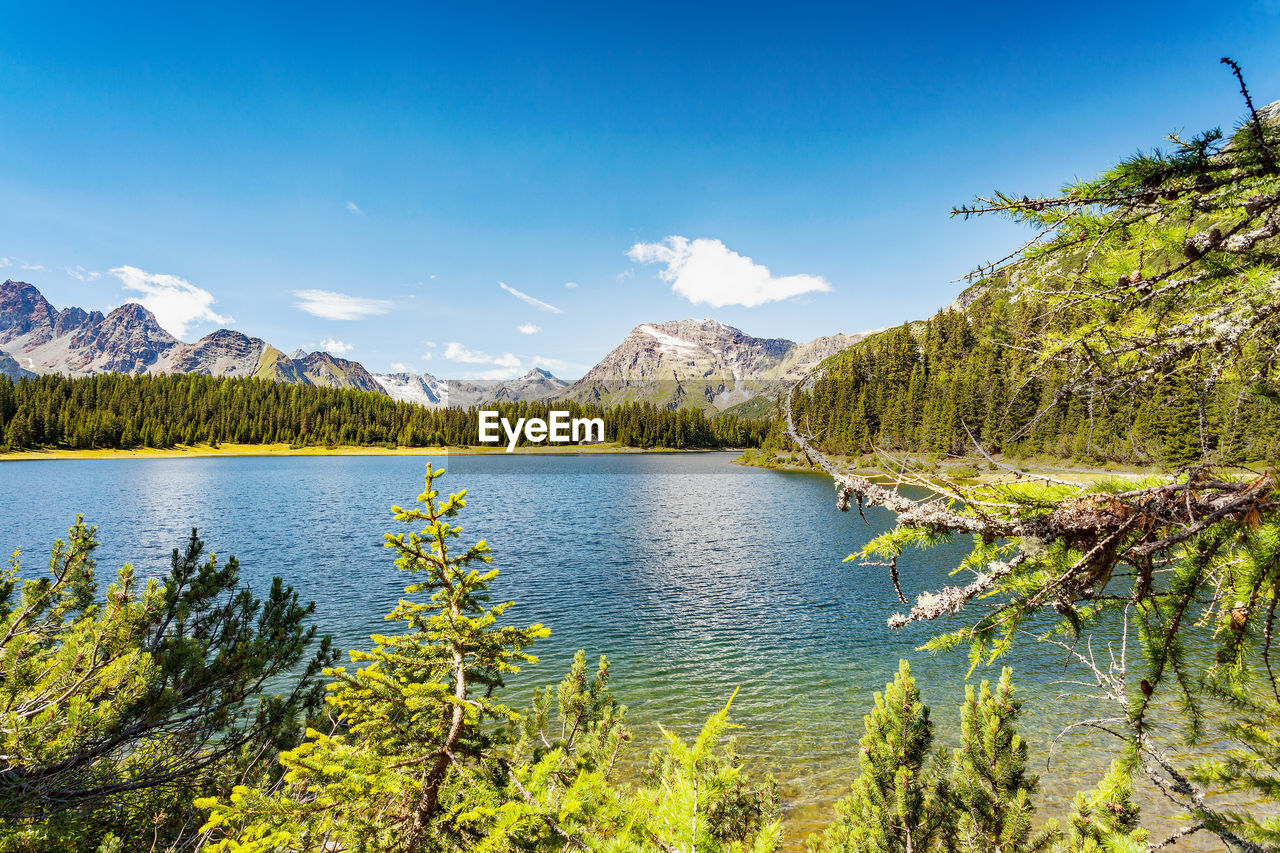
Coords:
pixel 695 576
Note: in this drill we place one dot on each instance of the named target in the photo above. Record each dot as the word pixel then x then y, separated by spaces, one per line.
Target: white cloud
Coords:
pixel 626 274
pixel 454 351
pixel 339 306
pixel 82 274
pixel 528 329
pixel 354 208
pixel 570 285
pixel 35 267
pixel 335 347
pixel 431 344
pixel 399 367
pixel 177 303
pixel 527 299
pixel 4 262
pixel 707 272
pixel 426 356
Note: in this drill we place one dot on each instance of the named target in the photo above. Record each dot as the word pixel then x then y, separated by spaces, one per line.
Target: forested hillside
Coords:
pixel 967 374
pixel 120 411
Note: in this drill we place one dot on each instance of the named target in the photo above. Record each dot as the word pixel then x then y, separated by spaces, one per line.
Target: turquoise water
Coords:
pixel 695 576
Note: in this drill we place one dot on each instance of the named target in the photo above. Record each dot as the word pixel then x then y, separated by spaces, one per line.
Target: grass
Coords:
pixel 204 450
pixel 971 470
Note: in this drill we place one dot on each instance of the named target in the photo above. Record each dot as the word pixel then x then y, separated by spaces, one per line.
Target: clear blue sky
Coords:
pixel 411 158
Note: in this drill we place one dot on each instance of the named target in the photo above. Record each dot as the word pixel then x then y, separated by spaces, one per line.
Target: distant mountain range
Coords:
pixel 701 363
pixel 129 340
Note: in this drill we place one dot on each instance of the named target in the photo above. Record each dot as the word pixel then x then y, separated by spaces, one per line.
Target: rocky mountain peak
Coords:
pixel 23 310
pixel 128 340
pixel 70 320
pixel 421 388
pixel 698 362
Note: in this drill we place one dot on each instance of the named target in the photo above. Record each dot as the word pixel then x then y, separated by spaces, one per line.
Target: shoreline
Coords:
pixel 979 473
pixel 204 451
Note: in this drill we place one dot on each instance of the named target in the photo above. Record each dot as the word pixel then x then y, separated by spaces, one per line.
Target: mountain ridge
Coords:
pixel 701 362
pixel 704 363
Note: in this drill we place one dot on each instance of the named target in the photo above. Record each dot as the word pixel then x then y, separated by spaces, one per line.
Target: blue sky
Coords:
pixel 366 175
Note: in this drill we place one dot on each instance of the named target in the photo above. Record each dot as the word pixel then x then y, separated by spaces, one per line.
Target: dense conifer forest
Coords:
pixel 967 375
pixel 118 411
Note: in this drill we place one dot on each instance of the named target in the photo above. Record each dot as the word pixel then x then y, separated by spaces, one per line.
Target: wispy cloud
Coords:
pixel 339 306
pixel 336 347
pixel 399 367
pixel 177 303
pixel 529 300
pixel 528 329
pixel 5 262
pixel 352 207
pixel 34 267
pixel 454 351
pixel 626 275
pixel 707 272
pixel 82 274
pixel 570 285
pixel 427 356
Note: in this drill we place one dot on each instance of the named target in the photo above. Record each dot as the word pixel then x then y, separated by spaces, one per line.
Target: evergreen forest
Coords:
pixel 118 411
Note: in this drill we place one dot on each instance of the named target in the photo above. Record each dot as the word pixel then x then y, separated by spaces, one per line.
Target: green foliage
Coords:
pixel 115 707
pixel 993 789
pixel 1244 690
pixel 412 727
pixel 119 411
pixel 928 387
pixel 898 802
pixel 697 799
pixel 904 798
pixel 1141 323
pixel 1105 820
pixel 421 755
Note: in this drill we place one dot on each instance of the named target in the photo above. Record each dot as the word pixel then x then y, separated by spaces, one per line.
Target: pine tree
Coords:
pixel 992 787
pixel 116 708
pixel 390 775
pixel 1105 820
pixel 898 804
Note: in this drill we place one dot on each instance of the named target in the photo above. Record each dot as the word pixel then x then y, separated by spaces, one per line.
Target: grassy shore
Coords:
pixel 970 469
pixel 205 450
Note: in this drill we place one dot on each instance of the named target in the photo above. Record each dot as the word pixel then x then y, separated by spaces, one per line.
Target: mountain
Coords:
pixel 424 389
pixel 701 363
pixel 421 388
pixel 10 369
pixel 76 342
pixel 537 384
pixel 329 371
pixel 229 353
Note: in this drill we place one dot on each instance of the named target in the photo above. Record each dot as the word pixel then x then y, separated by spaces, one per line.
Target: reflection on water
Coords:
pixel 694 576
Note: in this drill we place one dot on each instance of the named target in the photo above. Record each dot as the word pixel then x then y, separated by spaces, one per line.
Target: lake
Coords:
pixel 694 575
